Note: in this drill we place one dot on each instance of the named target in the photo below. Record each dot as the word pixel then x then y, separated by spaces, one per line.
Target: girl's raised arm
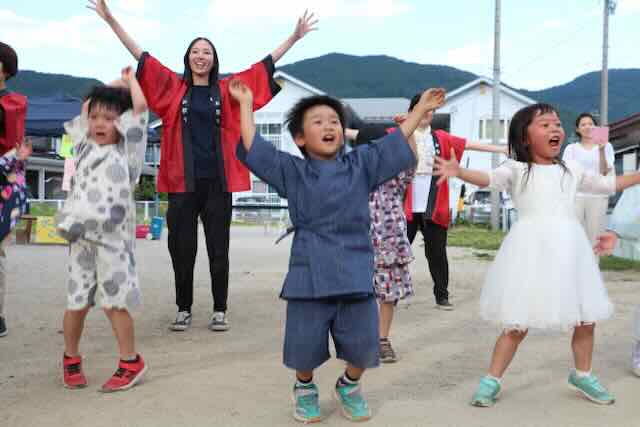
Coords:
pixel 306 23
pixel 100 7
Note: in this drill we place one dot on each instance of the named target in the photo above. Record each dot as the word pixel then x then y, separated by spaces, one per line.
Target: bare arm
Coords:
pixel 137 97
pixel 430 100
pixel 451 168
pixel 101 8
pixel 487 148
pixel 625 181
pixel 603 165
pixel 242 94
pixel 306 23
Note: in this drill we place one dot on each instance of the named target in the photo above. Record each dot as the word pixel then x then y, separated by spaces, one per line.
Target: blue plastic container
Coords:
pixel 157 223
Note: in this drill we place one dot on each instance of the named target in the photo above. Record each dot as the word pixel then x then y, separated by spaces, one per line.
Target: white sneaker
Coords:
pixel 635 358
pixel 182 322
pixel 219 322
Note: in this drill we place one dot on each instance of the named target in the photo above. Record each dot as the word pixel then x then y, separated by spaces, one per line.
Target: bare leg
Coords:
pixel 304 376
pixel 353 372
pixel 72 325
pixel 122 324
pixel 582 345
pixel 503 352
pixel 386 317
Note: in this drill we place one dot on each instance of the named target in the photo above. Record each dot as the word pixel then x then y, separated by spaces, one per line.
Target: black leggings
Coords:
pixel 213 206
pixel 435 250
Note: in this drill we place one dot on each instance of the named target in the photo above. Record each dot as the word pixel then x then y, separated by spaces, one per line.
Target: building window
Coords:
pixel 152 155
pixel 33 180
pixel 272 132
pixel 53 186
pixel 485 129
pixel 629 162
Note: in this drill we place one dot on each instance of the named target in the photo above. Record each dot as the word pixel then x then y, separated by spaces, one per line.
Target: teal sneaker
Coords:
pixel 307 409
pixel 591 388
pixel 352 404
pixel 487 393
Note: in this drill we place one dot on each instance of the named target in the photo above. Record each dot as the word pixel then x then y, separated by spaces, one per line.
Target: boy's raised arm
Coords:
pixel 137 96
pixel 430 100
pixel 242 94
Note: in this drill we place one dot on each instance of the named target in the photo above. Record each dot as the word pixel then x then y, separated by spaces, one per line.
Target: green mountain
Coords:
pixel 32 83
pixel 349 76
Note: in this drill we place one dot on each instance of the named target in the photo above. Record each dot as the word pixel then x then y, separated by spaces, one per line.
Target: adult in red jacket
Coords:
pixel 198 164
pixel 13 110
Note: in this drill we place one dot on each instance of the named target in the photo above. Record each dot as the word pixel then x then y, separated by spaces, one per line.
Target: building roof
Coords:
pixel 282 75
pixel 377 109
pixel 489 82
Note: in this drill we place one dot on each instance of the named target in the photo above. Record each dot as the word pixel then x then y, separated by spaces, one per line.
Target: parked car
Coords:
pixel 477 207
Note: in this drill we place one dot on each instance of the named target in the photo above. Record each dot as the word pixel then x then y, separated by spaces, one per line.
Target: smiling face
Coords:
pixel 544 138
pixel 584 127
pixel 102 125
pixel 201 59
pixel 322 134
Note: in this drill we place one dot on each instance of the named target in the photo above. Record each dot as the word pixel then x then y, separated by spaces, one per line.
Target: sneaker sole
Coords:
pixel 4 334
pixel 345 414
pixel 479 404
pixel 593 399
pixel 300 418
pixel 219 328
pixel 444 308
pixel 178 328
pixel 135 381
pixel 394 360
pixel 73 387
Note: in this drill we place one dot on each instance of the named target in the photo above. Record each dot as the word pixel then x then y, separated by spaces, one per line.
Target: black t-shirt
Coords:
pixel 204 133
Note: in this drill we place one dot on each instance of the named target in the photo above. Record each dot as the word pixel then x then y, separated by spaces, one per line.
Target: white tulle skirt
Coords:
pixel 545 276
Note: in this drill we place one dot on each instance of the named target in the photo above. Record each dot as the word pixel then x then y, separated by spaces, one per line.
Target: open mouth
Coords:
pixel 555 142
pixel 329 139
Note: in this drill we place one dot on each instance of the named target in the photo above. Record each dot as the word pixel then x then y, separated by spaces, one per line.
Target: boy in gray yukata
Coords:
pixel 98 219
pixel 328 288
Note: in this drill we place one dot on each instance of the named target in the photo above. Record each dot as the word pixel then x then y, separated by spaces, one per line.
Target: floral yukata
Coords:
pixel 99 216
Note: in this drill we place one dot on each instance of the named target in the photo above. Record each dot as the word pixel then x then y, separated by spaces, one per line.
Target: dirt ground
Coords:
pixel 202 378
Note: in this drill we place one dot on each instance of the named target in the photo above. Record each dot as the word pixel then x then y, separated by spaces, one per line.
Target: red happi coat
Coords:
pixel 14 107
pixel 165 91
pixel 441 214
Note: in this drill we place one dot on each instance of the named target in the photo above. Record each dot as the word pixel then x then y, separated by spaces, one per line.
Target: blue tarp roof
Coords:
pixel 46 115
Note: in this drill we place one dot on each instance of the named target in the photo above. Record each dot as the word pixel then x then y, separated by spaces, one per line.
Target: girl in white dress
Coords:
pixel 545 275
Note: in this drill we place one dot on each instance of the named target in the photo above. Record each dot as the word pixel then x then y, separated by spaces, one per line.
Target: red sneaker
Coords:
pixel 73 377
pixel 126 376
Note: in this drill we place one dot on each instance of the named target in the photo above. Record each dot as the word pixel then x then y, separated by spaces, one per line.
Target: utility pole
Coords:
pixel 609 9
pixel 497 130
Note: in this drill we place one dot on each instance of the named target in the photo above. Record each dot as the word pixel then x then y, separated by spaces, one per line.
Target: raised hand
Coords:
pixel 305 24
pixel 127 75
pixel 399 118
pixel 432 98
pixel 446 168
pixel 100 7
pixel 24 150
pixel 240 92
pixel 605 244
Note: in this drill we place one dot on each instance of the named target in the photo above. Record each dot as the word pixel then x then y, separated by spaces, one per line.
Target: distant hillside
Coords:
pixel 348 76
pixel 583 93
pixel 32 83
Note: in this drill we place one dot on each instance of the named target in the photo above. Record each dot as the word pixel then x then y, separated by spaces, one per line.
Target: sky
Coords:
pixel 544 42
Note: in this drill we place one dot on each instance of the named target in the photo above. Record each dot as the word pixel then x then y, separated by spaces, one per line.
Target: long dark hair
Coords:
pixel 518 147
pixel 582 116
pixel 213 74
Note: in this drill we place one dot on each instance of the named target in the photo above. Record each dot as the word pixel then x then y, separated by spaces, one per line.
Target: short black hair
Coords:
pixel 9 60
pixel 295 116
pixel 582 116
pixel 112 98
